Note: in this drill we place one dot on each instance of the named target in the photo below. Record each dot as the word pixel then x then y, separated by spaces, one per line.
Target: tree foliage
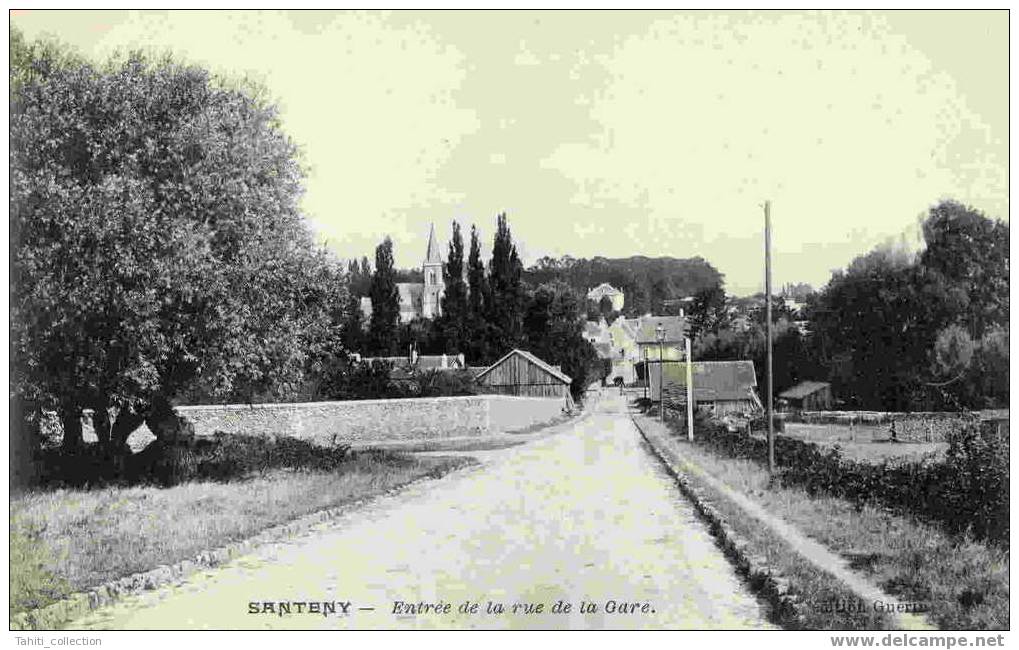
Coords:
pixel 554 331
pixel 921 332
pixel 455 314
pixel 385 301
pixel 157 244
pixel 504 308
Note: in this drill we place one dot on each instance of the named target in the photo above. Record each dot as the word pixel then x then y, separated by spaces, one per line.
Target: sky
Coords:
pixel 615 133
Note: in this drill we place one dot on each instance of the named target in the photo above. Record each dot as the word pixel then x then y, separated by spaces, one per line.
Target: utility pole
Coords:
pixel 767 303
pixel 689 378
pixel 645 373
pixel 689 391
pixel 660 335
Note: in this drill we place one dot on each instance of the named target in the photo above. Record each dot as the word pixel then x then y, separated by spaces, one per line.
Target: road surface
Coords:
pixel 587 517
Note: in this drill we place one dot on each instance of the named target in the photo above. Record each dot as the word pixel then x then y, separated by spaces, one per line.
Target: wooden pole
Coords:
pixel 646 378
pixel 689 391
pixel 661 381
pixel 767 302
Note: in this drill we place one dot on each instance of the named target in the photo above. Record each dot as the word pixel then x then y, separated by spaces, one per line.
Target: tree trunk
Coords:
pixel 125 424
pixel 101 423
pixel 165 424
pixel 24 443
pixel 70 418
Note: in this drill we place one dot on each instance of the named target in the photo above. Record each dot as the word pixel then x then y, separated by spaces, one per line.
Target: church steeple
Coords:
pixel 434 284
pixel 433 255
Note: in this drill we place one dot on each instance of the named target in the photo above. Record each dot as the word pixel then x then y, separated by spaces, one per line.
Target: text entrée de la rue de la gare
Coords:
pixel 442 608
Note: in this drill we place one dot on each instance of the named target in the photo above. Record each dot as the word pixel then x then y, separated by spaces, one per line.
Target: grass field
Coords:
pixel 65 541
pixel 964 583
pixel 868 443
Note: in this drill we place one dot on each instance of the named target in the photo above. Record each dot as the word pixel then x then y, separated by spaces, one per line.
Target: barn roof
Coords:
pixel 555 372
pixel 674 329
pixel 802 389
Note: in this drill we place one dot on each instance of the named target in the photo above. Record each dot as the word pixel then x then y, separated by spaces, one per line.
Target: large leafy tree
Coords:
pixel 385 298
pixel 876 316
pixel 156 243
pixel 967 260
pixel 553 326
pixel 922 332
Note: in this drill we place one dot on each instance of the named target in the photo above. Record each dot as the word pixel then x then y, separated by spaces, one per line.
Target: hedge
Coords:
pixel 966 491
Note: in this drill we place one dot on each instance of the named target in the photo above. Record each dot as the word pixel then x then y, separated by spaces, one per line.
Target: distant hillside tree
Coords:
pixel 385 302
pixel 648 283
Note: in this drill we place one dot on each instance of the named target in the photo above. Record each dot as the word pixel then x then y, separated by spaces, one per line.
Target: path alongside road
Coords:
pixel 587 514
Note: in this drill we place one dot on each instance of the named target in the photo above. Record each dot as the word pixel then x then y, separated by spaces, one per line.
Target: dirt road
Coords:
pixel 586 517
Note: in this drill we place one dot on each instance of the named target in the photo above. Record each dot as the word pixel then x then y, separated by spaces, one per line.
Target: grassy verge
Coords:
pixel 822 596
pixel 66 540
pixel 963 583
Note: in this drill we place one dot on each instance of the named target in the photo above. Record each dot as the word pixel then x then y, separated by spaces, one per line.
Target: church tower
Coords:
pixel 435 286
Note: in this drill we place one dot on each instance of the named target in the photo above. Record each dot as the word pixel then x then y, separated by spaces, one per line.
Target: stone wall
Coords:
pixel 331 423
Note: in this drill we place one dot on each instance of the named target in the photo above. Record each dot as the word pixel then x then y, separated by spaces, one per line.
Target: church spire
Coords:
pixel 433 255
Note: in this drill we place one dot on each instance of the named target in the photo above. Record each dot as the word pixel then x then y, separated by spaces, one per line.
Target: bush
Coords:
pixel 225 457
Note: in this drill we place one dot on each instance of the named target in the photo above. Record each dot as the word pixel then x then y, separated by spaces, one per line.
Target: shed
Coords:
pixel 808 396
pixel 723 387
pixel 523 374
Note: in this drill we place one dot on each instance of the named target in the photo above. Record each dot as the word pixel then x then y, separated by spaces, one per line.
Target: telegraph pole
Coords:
pixel 767 303
pixel 689 378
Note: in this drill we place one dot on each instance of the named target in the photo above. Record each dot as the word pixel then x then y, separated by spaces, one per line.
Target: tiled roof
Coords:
pixel 713 380
pixel 674 326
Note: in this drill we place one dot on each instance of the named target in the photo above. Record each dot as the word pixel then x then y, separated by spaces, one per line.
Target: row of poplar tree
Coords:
pixel 486 310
